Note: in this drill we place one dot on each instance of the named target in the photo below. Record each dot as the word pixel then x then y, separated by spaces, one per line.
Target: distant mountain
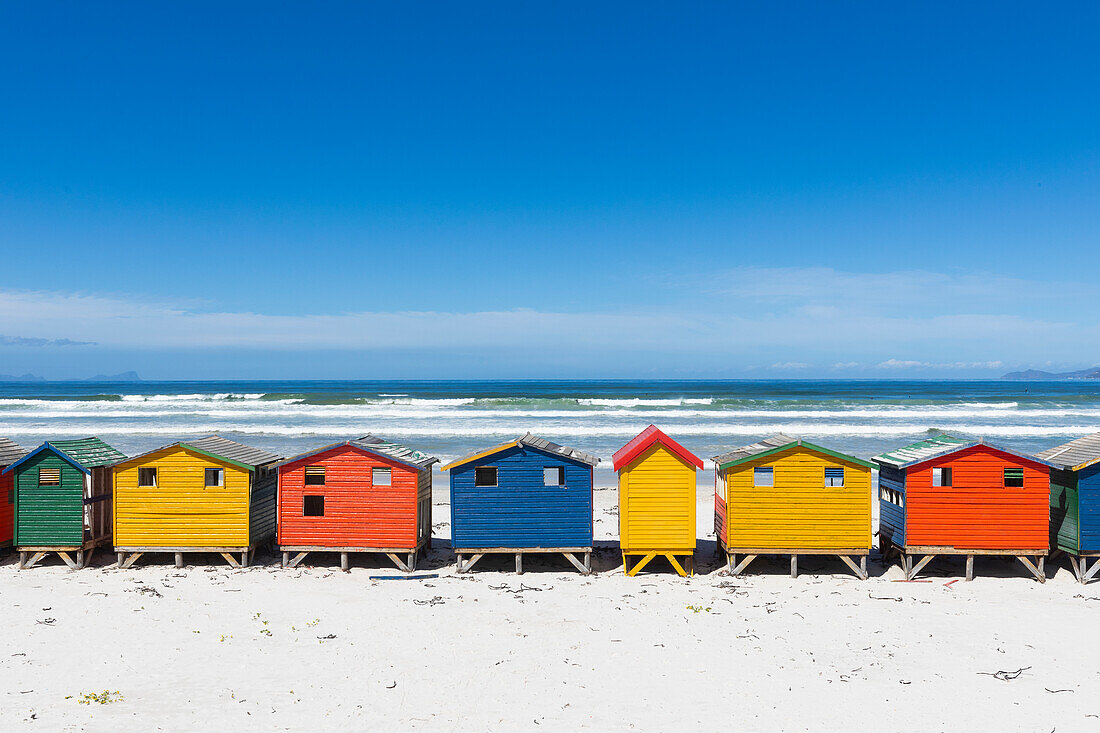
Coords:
pixel 24 378
pixel 1037 375
pixel 123 377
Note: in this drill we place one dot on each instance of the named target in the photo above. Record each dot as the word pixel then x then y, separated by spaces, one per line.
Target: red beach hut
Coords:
pixel 9 454
pixel 365 495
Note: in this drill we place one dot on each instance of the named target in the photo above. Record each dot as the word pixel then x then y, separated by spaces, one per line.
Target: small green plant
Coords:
pixel 103 698
pixel 314 622
pixel 699 609
pixel 265 632
pixel 223 637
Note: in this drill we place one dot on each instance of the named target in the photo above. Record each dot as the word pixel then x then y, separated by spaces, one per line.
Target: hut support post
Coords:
pixel 230 559
pixel 969 568
pixel 860 570
pixel 731 560
pixel 344 562
pixel 129 561
pixel 1033 568
pixel 794 566
pixel 244 559
pixel 519 563
pixel 411 562
pixel 179 559
pixel 404 567
pixel 914 569
pixel 25 563
pixel 286 559
pixel 68 560
pixel 863 565
pixel 585 567
pixel 740 567
pixel 121 558
pixel 290 562
pixel 1087 573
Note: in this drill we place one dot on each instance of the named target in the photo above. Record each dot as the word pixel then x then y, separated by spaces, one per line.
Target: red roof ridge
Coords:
pixel 643 440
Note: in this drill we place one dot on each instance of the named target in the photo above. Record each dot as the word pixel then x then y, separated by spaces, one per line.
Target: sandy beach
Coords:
pixel 209 647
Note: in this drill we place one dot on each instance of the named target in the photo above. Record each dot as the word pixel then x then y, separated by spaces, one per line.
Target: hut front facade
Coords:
pixel 1075 503
pixel 525 496
pixel 656 501
pixel 783 496
pixel 10 452
pixel 62 493
pixel 206 495
pixel 365 495
pixel 946 496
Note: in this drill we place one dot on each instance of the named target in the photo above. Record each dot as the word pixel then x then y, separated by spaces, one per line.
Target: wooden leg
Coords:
pixel 286 559
pixel 458 557
pixel 121 558
pixel 68 560
pixel 519 563
pixel 22 560
pixel 861 573
pixel 577 563
pixel 344 562
pixel 919 566
pixel 133 558
pixel 79 559
pixel 1091 573
pixel 794 566
pixel 244 559
pixel 588 563
pixel 230 559
pixel 969 568
pixel 411 563
pixel 398 562
pixel 179 559
pixel 863 566
pixel 1032 568
pixel 641 564
pixel 676 566
pixel 740 568
pixel 907 566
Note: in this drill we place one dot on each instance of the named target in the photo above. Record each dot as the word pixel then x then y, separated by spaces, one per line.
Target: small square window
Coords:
pixel 941 476
pixel 554 476
pixel 315 475
pixel 1014 478
pixel 763 477
pixel 485 476
pixel 49 477
pixel 214 477
pixel 147 477
pixel 381 477
pixel 313 506
pixel 834 477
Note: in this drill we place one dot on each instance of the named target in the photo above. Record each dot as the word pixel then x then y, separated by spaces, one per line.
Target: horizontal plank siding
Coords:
pixel 357 513
pixel 180 511
pixel 1088 496
pixel 891 516
pixel 657 502
pixel 978 511
pixel 521 511
pixel 798 510
pixel 49 516
pixel 1064 511
pixel 262 508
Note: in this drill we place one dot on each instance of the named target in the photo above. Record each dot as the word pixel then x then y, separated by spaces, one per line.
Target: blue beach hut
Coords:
pixel 1075 503
pixel 526 496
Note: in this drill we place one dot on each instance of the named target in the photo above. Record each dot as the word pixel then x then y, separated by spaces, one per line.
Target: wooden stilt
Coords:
pixel 179 559
pixel 859 570
pixel 1032 568
pixel 907 565
pixel 344 562
pixel 22 560
pixel 1088 575
pixel 914 569
pixel 794 566
pixel 676 565
pixel 286 559
pixel 519 563
pixel 577 563
pixel 230 559
pixel 411 562
pixel 641 564
pixel 458 568
pixel 969 568
pixel 399 563
pixel 588 563
pixel 133 558
pixel 121 558
pixel 244 559
pixel 863 566
pixel 740 568
pixel 79 559
pixel 731 560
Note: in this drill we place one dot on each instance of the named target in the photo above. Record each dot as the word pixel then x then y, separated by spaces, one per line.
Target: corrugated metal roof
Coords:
pixel 372 444
pixel 921 450
pixel 233 450
pixel 641 442
pixel 1074 455
pixel 10 452
pixel 88 452
pixel 769 443
pixel 530 440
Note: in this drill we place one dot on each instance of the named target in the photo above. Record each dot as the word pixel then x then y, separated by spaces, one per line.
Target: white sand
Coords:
pixel 187 649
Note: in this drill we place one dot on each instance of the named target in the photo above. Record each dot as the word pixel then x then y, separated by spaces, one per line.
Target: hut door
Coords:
pixel 87 504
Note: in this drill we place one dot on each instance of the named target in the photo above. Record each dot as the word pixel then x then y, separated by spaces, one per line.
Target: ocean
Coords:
pixel 452 418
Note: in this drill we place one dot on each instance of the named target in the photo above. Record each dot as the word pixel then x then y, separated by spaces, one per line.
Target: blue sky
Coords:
pixel 381 190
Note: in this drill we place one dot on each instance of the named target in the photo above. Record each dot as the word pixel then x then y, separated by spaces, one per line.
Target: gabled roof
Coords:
pixel 1074 455
pixel 531 441
pixel 941 445
pixel 777 444
pixel 84 453
pixel 217 447
pixel 643 440
pixel 10 452
pixel 371 444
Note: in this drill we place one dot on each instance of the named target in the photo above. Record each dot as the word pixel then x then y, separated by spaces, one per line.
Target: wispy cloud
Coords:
pixel 31 341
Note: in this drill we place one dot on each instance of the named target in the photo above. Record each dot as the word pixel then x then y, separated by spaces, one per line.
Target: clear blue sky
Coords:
pixel 549 190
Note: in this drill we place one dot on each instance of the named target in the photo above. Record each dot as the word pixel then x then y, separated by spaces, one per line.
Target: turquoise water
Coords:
pixel 451 418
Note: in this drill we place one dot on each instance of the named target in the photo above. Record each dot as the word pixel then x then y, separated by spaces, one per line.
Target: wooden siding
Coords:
pixel 357 513
pixel 1064 511
pixel 48 516
pixel 978 512
pixel 424 506
pixel 719 509
pixel 891 517
pixel 7 508
pixel 657 503
pixel 798 511
pixel 1088 497
pixel 520 511
pixel 262 508
pixel 180 511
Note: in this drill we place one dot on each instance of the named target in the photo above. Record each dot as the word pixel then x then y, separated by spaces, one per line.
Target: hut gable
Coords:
pixel 637 448
pixel 656 494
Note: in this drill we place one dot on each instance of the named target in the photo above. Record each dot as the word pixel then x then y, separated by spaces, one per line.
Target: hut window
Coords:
pixel 834 476
pixel 313 506
pixel 941 476
pixel 1014 477
pixel 49 477
pixel 485 476
pixel 214 477
pixel 381 477
pixel 763 477
pixel 147 477
pixel 554 476
pixel 315 475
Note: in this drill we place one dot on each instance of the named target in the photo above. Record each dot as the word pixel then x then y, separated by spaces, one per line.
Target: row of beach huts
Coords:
pixel 779 496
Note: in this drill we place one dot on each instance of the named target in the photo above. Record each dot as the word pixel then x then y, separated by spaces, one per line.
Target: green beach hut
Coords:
pixel 62 492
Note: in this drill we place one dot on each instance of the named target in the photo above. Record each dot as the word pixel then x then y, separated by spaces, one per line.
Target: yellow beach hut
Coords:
pixel 656 501
pixel 206 495
pixel 784 496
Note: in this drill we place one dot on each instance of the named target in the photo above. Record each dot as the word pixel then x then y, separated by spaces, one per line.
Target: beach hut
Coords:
pixel 1075 503
pixel 206 495
pixel 365 495
pixel 784 496
pixel 9 454
pixel 946 496
pixel 526 496
pixel 656 501
pixel 62 500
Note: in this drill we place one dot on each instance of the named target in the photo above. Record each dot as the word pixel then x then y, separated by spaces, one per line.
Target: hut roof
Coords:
pixel 221 448
pixel 1074 455
pixel 776 444
pixel 10 452
pixel 941 445
pixel 644 440
pixel 531 441
pixel 372 444
pixel 83 453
